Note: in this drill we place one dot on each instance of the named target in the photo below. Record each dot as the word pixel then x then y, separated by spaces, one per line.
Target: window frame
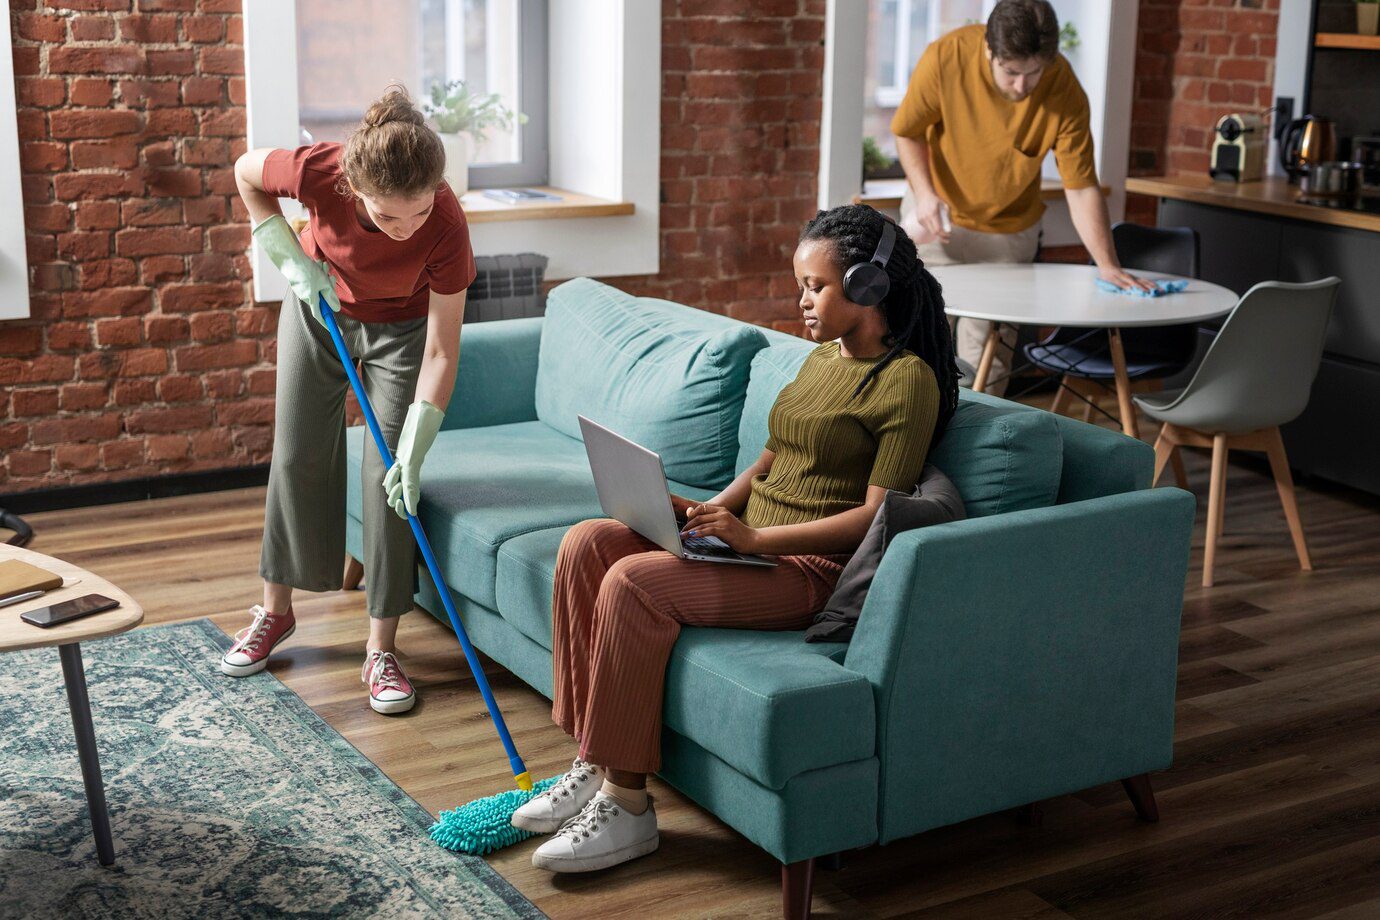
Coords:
pixel 534 165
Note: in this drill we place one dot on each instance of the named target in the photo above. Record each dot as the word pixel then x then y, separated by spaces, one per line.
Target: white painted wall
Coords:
pixel 1105 63
pixel 845 44
pixel 14 257
pixel 1291 64
pixel 271 112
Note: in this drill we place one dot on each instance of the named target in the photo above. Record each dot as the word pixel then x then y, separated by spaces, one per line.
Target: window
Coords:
pixel 898 33
pixel 349 51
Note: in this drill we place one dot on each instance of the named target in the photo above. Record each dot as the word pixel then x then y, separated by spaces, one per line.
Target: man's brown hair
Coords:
pixel 1021 29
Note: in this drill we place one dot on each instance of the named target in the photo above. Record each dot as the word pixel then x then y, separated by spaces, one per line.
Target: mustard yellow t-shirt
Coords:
pixel 986 151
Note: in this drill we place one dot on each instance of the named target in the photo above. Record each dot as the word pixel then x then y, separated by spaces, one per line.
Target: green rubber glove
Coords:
pixel 403 481
pixel 307 279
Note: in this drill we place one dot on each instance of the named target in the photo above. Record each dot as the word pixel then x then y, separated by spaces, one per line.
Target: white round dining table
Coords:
pixel 1058 294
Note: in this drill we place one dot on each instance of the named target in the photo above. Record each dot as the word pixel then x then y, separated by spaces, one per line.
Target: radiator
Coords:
pixel 507 287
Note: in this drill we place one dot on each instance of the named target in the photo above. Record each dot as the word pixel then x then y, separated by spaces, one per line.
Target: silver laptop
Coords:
pixel 632 489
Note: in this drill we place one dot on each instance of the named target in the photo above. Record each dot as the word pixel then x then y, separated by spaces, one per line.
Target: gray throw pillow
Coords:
pixel 935 501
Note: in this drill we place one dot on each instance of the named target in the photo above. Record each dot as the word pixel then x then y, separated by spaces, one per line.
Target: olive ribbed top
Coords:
pixel 830 447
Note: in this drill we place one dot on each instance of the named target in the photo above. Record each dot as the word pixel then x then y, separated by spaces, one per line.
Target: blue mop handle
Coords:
pixel 524 779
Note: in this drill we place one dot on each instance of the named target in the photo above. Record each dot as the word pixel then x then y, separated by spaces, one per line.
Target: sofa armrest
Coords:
pixel 1025 655
pixel 497 380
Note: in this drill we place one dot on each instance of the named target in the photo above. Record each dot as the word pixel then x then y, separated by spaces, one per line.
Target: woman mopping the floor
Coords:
pixel 388 247
pixel 858 419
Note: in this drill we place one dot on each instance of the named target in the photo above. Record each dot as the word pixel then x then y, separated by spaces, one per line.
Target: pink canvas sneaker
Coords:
pixel 390 692
pixel 254 643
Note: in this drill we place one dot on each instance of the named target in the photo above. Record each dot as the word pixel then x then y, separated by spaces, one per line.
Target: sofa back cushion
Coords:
pixel 1001 455
pixel 772 368
pixel 667 376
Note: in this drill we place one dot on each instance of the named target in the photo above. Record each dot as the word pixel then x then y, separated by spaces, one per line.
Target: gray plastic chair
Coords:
pixel 1255 377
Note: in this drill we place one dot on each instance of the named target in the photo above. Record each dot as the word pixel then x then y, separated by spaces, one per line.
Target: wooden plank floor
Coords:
pixel 1272 807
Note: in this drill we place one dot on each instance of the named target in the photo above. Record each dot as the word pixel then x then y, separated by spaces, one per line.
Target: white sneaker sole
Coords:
pixel 392 707
pixel 595 863
pixel 244 670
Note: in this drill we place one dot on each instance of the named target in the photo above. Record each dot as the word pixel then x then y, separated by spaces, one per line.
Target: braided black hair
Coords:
pixel 914 308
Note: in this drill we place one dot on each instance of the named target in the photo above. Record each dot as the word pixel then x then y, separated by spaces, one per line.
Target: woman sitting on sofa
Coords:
pixel 858 419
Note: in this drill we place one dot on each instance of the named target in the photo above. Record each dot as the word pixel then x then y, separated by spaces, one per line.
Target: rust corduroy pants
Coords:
pixel 617 608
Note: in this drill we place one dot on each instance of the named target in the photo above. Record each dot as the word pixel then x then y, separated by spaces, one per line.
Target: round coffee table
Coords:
pixel 15 634
pixel 1052 294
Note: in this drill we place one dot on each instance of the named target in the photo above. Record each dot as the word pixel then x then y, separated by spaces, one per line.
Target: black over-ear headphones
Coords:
pixel 866 283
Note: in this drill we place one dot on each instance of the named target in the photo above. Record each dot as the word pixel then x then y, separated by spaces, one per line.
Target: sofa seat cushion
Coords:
pixel 483 486
pixel 768 703
pixel 777 705
pixel 1003 457
pixel 667 376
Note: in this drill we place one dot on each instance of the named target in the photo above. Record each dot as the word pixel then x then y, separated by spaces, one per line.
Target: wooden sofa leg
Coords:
pixel 797 884
pixel 833 862
pixel 1142 797
pixel 354 571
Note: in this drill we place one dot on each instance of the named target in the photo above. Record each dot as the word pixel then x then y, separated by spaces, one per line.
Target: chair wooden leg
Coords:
pixel 354 571
pixel 1177 461
pixel 1142 797
pixel 1217 489
pixel 1284 483
pixel 1088 404
pixel 1164 451
pixel 1061 398
pixel 797 886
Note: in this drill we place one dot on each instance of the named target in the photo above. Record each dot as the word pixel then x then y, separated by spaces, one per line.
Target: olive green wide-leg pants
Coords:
pixel 304 517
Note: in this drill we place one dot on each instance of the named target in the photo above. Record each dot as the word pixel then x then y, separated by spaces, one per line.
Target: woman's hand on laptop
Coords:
pixel 681 506
pixel 705 520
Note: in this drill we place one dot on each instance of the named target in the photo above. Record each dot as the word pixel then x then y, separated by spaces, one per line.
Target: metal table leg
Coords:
pixel 75 678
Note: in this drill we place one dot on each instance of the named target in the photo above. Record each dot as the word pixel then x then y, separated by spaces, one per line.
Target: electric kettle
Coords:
pixel 1308 141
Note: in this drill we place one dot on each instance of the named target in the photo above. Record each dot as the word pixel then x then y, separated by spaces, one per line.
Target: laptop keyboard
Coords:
pixel 706 546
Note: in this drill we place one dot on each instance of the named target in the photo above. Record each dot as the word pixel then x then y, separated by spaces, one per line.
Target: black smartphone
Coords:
pixel 68 610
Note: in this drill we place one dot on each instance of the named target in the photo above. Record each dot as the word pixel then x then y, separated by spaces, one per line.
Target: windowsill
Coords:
pixel 482 210
pixel 885 194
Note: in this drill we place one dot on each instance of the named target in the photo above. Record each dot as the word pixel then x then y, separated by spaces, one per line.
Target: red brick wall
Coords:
pixel 1196 61
pixel 740 110
pixel 142 355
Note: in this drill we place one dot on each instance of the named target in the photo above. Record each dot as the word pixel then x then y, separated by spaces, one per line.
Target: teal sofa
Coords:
pixel 1025 652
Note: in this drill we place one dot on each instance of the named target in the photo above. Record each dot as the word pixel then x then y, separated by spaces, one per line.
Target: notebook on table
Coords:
pixel 18 577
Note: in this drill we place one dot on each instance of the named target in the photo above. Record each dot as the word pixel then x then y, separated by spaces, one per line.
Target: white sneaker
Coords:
pixel 603 834
pixel 565 799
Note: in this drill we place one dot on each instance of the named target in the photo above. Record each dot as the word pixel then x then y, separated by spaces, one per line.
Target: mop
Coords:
pixel 483 825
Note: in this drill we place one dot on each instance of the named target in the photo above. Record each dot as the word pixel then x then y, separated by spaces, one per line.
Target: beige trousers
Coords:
pixel 966 247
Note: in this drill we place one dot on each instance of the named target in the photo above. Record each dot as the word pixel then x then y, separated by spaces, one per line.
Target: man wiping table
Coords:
pixel 983 108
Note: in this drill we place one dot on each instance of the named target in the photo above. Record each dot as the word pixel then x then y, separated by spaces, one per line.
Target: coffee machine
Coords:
pixel 1238 148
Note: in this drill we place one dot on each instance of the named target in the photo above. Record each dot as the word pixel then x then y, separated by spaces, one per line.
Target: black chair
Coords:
pixel 1152 352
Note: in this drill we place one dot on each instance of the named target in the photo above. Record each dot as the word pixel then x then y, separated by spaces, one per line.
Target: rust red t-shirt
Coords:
pixel 378 279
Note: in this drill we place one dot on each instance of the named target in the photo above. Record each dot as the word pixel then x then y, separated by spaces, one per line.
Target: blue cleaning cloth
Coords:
pixel 1161 288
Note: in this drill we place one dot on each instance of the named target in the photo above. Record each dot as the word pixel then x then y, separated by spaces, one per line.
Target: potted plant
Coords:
pixel 1367 17
pixel 463 120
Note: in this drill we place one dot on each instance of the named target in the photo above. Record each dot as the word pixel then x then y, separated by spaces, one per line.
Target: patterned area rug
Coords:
pixel 228 798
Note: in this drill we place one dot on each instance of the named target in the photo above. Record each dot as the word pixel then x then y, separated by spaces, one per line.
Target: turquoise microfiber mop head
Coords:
pixel 486 825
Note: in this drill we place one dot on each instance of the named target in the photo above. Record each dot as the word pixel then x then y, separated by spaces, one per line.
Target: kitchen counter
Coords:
pixel 1272 196
pixel 1258 231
